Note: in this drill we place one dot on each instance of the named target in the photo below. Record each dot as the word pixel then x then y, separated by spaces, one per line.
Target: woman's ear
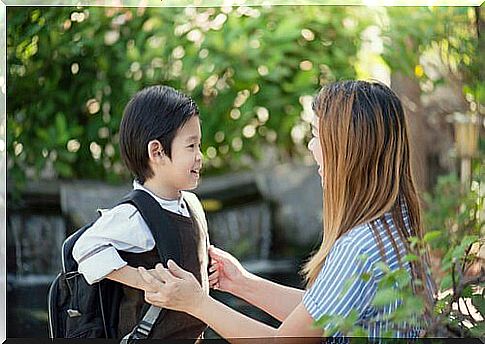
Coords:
pixel 155 151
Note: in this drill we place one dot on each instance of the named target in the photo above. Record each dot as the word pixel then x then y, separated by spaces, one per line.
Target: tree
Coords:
pixel 72 70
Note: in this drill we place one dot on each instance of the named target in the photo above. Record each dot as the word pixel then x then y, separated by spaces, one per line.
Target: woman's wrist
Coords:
pixel 246 285
pixel 201 306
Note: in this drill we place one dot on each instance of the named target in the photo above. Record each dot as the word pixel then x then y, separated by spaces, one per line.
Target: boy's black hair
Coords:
pixel 154 113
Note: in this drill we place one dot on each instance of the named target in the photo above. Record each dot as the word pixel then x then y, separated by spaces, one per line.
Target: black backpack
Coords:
pixel 79 310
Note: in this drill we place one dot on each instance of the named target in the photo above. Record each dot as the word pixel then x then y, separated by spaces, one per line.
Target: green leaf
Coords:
pixel 363 258
pixel 402 277
pixel 479 302
pixel 388 334
pixel 361 334
pixel 383 267
pixel 410 258
pixel 459 252
pixel 322 321
pixel 385 297
pixel 478 331
pixel 366 276
pixel 467 292
pixel 413 241
pixel 468 240
pixel 409 311
pixel 347 284
pixel 432 236
pixel 446 282
pixel 347 324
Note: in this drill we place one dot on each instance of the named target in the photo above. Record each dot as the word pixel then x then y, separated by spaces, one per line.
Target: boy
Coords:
pixel 160 144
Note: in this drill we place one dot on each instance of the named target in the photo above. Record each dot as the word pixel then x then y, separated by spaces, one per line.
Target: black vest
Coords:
pixel 173 324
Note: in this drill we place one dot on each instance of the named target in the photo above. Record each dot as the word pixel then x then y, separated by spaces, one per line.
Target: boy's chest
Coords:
pixel 193 250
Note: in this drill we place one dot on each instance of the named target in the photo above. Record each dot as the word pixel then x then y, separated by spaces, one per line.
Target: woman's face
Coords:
pixel 315 147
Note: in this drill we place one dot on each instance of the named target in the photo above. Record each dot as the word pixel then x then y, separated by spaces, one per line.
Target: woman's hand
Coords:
pixel 173 288
pixel 226 273
pixel 148 286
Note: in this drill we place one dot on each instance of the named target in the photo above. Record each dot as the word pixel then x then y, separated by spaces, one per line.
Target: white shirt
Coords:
pixel 120 228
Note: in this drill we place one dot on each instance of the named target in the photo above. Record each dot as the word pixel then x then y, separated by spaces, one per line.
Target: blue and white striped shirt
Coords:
pixel 331 295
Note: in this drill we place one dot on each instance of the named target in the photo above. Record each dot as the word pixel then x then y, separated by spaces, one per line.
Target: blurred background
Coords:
pixel 253 72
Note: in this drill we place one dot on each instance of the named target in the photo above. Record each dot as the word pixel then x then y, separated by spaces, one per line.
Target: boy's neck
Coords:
pixel 161 190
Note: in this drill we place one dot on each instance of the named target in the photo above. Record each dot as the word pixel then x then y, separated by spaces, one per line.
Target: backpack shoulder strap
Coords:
pixel 167 243
pixel 162 228
pixel 198 212
pixel 196 207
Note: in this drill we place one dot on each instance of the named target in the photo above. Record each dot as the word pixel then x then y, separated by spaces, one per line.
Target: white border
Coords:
pixel 135 3
pixel 3 168
pixel 219 3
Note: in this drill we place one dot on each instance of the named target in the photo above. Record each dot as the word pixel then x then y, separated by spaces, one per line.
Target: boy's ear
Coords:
pixel 155 151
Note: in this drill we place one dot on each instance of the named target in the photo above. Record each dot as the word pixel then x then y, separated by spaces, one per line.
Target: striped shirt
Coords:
pixel 339 288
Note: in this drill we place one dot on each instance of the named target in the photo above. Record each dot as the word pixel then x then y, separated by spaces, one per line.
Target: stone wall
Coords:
pixel 283 201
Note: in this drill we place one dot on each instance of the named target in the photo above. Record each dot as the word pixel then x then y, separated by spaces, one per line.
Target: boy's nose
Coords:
pixel 310 143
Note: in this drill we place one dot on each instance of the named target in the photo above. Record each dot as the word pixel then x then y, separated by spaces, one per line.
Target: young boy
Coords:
pixel 160 144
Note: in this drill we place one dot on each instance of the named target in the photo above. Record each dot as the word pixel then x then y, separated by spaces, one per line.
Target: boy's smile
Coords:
pixel 195 173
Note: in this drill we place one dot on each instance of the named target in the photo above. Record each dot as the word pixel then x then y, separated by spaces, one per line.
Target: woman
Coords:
pixel 370 210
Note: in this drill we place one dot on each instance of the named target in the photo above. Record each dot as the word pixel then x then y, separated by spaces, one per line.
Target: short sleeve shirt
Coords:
pixel 340 287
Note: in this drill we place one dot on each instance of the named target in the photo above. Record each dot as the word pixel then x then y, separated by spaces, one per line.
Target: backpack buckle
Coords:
pixel 73 313
pixel 141 331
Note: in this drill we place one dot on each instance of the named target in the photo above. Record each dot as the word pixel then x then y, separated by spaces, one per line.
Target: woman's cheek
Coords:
pixel 317 152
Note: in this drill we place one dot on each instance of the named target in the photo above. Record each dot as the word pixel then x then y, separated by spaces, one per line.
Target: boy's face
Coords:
pixel 182 171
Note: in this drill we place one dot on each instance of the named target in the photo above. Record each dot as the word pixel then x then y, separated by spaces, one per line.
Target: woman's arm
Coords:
pixel 231 324
pixel 229 275
pixel 275 299
pixel 178 289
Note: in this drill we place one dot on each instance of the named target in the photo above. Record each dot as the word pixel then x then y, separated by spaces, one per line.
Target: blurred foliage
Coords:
pixel 455 219
pixel 442 45
pixel 71 71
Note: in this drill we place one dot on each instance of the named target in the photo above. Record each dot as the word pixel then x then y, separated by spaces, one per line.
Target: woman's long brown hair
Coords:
pixel 366 170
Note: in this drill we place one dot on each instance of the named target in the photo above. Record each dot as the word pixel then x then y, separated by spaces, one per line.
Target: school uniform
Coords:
pixel 121 237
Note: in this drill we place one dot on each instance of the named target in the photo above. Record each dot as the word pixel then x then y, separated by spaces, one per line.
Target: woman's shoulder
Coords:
pixel 359 236
pixel 361 240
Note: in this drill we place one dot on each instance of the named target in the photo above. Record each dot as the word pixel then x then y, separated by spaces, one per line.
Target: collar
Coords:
pixel 178 203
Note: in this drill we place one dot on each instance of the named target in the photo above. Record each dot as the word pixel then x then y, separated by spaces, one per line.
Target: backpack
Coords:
pixel 79 310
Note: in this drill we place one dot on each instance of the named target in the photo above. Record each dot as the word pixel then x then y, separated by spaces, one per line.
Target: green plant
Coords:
pixel 455 216
pixel 441 46
pixel 71 70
